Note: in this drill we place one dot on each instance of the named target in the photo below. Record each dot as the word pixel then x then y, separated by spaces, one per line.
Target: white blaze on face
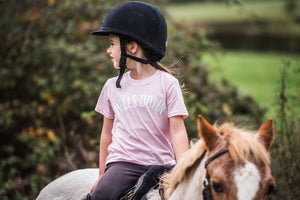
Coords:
pixel 247 180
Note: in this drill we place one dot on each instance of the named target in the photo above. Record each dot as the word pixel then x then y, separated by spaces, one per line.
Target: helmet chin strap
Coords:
pixel 122 62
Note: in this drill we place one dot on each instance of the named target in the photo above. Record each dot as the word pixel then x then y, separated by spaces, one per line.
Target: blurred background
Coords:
pixel 239 61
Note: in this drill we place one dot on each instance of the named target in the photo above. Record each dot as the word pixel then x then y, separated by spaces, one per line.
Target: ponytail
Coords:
pixel 157 65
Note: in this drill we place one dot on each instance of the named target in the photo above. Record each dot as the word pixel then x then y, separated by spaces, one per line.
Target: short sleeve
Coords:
pixel 175 102
pixel 104 106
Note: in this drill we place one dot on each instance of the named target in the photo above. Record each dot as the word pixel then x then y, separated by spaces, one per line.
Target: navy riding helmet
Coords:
pixel 139 22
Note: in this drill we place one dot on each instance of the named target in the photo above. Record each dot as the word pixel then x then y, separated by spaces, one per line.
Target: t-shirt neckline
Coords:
pixel 142 81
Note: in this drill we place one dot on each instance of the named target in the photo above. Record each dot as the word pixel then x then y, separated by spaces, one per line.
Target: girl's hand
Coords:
pixel 96 183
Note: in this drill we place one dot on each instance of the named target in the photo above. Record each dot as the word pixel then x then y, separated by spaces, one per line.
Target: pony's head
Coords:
pixel 243 173
pixel 237 165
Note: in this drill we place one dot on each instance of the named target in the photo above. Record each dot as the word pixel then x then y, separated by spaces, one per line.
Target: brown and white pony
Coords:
pixel 238 165
pixel 233 163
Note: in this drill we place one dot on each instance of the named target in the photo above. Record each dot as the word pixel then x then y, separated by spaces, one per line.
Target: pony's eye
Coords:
pixel 217 187
pixel 271 189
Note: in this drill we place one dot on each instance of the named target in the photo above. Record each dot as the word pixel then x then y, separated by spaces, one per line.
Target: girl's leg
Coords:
pixel 117 179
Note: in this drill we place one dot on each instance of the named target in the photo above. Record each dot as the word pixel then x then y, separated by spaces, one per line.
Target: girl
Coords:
pixel 143 109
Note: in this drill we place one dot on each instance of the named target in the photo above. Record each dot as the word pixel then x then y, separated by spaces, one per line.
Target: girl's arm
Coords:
pixel 179 137
pixel 105 141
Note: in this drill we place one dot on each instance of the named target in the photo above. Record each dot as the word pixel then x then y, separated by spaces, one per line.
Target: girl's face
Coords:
pixel 114 50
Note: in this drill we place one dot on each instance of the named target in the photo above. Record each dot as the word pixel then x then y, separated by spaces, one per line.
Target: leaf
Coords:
pixel 51 135
pixel 51 2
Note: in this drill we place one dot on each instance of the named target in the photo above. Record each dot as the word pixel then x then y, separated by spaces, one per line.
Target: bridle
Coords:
pixel 206 191
pixel 207 195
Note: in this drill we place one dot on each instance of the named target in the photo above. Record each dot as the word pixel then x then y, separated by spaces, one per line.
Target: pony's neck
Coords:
pixel 180 175
pixel 191 187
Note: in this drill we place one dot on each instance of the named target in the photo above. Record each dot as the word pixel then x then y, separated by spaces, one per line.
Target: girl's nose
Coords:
pixel 108 50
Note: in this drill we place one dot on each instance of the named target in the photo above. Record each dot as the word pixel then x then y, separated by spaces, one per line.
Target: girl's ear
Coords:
pixel 132 47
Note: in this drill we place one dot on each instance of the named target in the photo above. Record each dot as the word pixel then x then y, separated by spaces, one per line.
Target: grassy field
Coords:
pixel 215 11
pixel 268 15
pixel 255 74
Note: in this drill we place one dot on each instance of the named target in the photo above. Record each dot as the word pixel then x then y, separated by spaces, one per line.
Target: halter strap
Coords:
pixel 216 155
pixel 206 193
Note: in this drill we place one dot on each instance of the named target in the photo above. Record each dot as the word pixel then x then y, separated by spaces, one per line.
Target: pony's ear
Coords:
pixel 208 133
pixel 266 134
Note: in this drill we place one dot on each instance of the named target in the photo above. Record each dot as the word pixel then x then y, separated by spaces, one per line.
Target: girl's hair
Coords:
pixel 157 65
pixel 150 57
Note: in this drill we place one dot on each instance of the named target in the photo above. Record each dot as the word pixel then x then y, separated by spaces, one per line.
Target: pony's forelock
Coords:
pixel 243 145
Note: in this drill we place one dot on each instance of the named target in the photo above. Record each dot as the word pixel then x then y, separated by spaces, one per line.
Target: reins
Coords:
pixel 161 190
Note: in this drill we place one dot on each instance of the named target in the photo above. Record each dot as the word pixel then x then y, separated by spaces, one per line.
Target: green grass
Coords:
pixel 273 10
pixel 255 74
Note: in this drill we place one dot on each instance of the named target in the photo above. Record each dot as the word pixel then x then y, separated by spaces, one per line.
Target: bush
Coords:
pixel 50 80
pixel 285 153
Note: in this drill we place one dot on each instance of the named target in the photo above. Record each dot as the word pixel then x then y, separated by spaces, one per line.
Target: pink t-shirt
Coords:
pixel 140 109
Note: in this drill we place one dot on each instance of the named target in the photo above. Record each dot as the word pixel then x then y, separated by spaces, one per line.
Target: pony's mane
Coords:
pixel 242 146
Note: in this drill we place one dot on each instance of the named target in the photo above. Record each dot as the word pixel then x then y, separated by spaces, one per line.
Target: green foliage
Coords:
pixel 51 73
pixel 50 80
pixel 291 8
pixel 286 155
